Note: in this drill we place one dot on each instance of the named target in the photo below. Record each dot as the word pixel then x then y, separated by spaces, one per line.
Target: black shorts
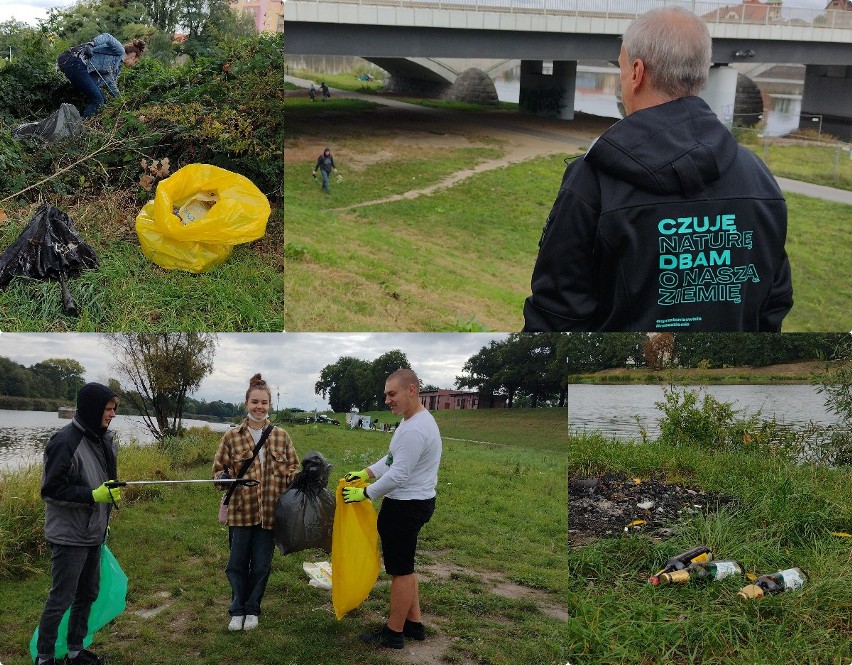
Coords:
pixel 399 523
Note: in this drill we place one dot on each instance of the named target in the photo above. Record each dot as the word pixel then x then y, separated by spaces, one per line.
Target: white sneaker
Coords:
pixel 237 623
pixel 251 622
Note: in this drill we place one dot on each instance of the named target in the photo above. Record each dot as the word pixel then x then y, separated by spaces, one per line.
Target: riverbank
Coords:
pixel 773 514
pixel 491 564
pixel 788 373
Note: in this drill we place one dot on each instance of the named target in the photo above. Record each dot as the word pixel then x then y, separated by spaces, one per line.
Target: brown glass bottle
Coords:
pixel 700 554
pixel 766 585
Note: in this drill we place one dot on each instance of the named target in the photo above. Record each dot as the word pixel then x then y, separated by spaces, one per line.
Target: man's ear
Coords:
pixel 637 74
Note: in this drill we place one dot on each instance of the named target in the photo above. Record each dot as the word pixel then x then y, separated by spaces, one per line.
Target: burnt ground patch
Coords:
pixel 606 505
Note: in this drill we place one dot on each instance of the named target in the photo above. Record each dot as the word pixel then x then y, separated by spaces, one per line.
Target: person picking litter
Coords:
pixel 78 460
pixel 406 477
pixel 259 451
pixel 325 165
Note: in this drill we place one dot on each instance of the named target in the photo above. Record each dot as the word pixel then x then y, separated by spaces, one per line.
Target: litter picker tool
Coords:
pixel 248 482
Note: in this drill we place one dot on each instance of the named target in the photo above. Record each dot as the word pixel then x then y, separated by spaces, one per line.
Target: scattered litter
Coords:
pixel 765 585
pixel 841 534
pixel 320 574
pixel 645 505
pixel 48 248
pixel 61 124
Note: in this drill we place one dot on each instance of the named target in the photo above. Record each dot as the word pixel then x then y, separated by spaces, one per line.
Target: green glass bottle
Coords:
pixel 713 570
pixel 766 585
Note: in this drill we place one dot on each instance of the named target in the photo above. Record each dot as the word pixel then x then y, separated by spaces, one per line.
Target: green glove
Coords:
pixel 353 494
pixel 357 475
pixel 104 494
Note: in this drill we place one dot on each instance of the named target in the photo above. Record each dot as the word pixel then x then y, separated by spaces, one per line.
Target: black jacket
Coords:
pixel 77 459
pixel 665 224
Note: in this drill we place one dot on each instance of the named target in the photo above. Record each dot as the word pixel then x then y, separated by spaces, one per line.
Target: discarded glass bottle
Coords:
pixel 700 554
pixel 713 570
pixel 766 585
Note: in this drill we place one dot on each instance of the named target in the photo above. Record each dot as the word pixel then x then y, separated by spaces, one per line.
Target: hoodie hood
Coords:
pixel 658 149
pixel 91 402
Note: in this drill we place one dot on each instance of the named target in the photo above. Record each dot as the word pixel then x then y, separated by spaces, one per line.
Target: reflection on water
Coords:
pixel 622 411
pixel 782 116
pixel 23 434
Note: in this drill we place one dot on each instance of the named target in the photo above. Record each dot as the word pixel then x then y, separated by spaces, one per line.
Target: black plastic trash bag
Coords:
pixel 304 517
pixel 61 124
pixel 48 248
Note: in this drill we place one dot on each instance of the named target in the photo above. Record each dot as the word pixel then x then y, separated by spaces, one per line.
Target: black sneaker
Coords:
pixel 385 637
pixel 85 657
pixel 414 630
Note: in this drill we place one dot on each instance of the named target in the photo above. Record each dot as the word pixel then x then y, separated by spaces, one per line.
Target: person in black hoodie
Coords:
pixel 78 460
pixel 666 223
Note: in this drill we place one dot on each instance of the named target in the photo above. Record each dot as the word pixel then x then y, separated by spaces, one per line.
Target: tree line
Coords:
pixel 534 370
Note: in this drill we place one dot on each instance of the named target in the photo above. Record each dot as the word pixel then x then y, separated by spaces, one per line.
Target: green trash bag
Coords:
pixel 110 603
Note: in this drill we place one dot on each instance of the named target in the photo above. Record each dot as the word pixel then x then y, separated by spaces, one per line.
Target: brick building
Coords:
pixel 436 400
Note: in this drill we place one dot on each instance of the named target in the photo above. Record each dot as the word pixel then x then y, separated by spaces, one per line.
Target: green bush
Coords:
pixel 707 424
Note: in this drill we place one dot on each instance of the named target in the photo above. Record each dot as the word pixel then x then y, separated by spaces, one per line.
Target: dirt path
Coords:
pixel 522 137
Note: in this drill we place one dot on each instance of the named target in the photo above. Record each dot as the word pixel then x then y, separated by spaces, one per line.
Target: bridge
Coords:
pixel 564 31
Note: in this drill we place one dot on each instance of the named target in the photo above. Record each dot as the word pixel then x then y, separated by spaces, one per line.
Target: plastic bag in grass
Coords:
pixel 197 216
pixel 110 602
pixel 354 551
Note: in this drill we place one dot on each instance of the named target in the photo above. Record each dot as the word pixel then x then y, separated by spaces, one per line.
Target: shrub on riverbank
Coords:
pixel 22 509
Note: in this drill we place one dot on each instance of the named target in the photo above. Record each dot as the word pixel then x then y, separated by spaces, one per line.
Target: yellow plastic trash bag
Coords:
pixel 197 216
pixel 354 551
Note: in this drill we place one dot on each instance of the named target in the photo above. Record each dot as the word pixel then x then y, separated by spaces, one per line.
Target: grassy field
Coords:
pixel 782 515
pixel 492 560
pixel 810 161
pixel 129 292
pixel 460 258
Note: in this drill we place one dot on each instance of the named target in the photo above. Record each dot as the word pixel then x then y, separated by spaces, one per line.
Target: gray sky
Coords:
pixel 290 362
pixel 31 10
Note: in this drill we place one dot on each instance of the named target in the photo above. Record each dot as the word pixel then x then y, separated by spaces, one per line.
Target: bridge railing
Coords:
pixel 711 12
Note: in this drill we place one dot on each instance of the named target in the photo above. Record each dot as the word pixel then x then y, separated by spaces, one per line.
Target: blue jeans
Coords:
pixel 76 573
pixel 325 175
pixel 248 567
pixel 76 72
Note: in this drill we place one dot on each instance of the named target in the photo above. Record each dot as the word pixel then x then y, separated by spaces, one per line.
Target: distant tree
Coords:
pixel 163 368
pixel 16 380
pixel 64 376
pixel 347 383
pixel 381 368
pixel 480 371
pixel 429 387
pixel 659 350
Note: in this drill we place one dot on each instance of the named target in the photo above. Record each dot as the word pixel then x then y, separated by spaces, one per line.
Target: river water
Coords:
pixel 23 434
pixel 613 409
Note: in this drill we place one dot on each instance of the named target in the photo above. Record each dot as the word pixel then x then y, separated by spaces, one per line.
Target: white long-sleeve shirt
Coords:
pixel 410 469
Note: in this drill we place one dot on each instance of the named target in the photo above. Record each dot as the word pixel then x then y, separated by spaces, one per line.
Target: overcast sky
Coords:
pixel 31 10
pixel 290 362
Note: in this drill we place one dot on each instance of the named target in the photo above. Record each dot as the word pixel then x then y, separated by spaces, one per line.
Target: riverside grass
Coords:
pixel 174 553
pixel 460 258
pixel 782 515
pixel 129 292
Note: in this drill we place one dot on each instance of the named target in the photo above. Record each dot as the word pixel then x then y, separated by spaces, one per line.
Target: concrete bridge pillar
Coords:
pixel 827 100
pixel 720 91
pixel 549 95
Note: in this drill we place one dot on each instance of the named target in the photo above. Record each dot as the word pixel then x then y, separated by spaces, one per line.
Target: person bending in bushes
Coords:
pixel 78 460
pixel 89 66
pixel 406 477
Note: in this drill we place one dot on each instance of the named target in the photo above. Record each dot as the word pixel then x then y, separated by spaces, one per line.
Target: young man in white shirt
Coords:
pixel 406 477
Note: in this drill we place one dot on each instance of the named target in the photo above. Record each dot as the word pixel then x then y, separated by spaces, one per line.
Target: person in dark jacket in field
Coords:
pixel 325 165
pixel 78 460
pixel 666 223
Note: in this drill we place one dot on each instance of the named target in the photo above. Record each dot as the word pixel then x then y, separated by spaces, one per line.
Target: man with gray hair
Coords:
pixel 666 222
